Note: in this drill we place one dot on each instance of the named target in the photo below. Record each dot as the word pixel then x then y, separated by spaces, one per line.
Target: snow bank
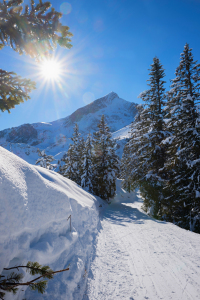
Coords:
pixel 35 204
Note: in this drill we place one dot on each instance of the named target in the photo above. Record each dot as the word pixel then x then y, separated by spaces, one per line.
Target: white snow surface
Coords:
pixel 123 133
pixel 139 258
pixel 35 204
pixel 125 255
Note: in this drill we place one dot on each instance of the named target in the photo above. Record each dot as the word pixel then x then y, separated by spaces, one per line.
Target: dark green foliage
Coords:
pixel 35 32
pixel 13 90
pixel 183 164
pixel 124 172
pixel 13 280
pixel 133 166
pixel 144 155
pixel 72 167
pixel 106 163
pixel 162 157
pixel 87 165
pixel 93 164
pixel 154 99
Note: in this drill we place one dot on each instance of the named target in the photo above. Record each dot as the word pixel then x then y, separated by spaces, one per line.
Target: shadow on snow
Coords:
pixel 122 213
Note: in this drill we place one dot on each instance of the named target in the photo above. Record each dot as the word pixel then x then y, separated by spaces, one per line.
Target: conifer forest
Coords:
pixel 162 156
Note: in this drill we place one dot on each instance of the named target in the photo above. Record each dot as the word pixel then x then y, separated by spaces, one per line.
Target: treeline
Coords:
pixel 91 163
pixel 162 157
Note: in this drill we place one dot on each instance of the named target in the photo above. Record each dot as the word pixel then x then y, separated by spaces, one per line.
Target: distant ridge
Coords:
pixel 55 136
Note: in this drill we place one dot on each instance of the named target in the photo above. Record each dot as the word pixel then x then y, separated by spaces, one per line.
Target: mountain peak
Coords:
pixel 111 95
pixel 107 98
pixel 55 137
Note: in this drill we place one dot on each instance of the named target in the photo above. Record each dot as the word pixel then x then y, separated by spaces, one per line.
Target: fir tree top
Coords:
pixel 33 31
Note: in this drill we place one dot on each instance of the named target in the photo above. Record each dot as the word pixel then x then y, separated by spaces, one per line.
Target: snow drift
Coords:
pixel 35 204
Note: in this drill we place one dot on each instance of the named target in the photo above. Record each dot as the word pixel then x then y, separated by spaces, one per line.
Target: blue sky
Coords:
pixel 114 43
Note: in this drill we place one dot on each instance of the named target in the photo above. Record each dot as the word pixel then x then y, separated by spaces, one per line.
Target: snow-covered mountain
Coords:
pixel 55 136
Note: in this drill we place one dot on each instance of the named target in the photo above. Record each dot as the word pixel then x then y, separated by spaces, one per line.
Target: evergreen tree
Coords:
pixel 35 32
pixel 87 165
pixel 183 164
pixel 112 171
pixel 72 168
pixel 45 160
pixel 105 162
pixel 145 148
pixel 11 282
pixel 69 168
pixel 13 90
pixel 125 167
pixel 132 164
pixel 80 150
pixel 154 154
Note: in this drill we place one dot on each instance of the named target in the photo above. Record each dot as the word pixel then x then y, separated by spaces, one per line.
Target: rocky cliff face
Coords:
pixel 22 134
pixel 55 137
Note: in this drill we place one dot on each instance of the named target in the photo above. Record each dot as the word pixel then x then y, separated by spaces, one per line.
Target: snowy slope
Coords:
pixel 123 133
pixel 121 137
pixel 132 257
pixel 34 206
pixel 55 136
pixel 141 258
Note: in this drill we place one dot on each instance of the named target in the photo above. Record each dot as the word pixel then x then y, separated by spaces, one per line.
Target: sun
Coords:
pixel 50 69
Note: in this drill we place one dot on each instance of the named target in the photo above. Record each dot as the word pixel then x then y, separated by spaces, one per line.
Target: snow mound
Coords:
pixel 35 204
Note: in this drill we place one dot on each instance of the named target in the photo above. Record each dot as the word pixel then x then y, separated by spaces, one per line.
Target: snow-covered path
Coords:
pixel 140 258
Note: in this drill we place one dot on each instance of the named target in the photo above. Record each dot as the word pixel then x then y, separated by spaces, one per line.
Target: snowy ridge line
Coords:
pixel 55 137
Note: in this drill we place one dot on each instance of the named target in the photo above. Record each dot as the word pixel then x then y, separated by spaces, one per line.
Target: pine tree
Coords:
pixel 105 162
pixel 154 154
pixel 11 282
pixel 112 171
pixel 45 160
pixel 80 150
pixel 13 90
pixel 183 164
pixel 69 168
pixel 146 153
pixel 87 165
pixel 72 168
pixel 35 32
pixel 132 164
pixel 125 168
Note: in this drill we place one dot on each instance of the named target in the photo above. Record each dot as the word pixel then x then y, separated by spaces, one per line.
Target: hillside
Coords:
pixel 35 204
pixel 55 136
pixel 115 251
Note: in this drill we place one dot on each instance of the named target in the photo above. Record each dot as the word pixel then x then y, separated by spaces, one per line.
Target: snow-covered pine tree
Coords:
pixel 183 162
pixel 132 165
pixel 72 168
pixel 45 160
pixel 147 154
pixel 105 162
pixel 154 153
pixel 80 149
pixel 124 168
pixel 112 171
pixel 87 165
pixel 69 168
